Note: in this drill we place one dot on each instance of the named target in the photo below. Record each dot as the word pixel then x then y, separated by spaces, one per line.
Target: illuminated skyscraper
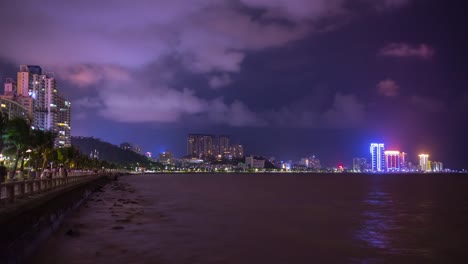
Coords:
pixel 392 160
pixel 47 108
pixel 437 166
pixel 377 157
pixel 424 162
pixel 403 161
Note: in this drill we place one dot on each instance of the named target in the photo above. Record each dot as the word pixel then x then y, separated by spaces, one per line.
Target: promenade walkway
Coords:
pixel 14 192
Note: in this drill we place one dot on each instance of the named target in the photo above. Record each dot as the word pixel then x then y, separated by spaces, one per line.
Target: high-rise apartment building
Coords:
pixel 9 88
pixel 424 162
pixel 403 161
pixel 200 146
pixel 224 145
pixel 47 109
pixel 237 151
pixel 437 166
pixel 359 165
pixel 377 157
pixel 392 160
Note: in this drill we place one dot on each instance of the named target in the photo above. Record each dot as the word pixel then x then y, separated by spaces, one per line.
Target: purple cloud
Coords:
pixel 388 88
pixel 120 50
pixel 404 50
pixel 84 75
pixel 219 81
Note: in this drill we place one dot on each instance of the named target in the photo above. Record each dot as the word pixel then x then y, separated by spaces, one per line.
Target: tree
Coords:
pixel 17 138
pixel 3 124
pixel 68 156
pixel 43 144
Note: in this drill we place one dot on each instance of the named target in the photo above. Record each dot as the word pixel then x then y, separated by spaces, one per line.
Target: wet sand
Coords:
pixel 99 231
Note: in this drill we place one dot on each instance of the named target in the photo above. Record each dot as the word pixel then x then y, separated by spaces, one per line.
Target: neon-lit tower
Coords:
pixel 403 161
pixel 424 162
pixel 377 157
pixel 392 160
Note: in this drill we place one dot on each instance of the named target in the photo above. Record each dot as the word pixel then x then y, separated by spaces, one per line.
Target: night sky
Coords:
pixel 286 78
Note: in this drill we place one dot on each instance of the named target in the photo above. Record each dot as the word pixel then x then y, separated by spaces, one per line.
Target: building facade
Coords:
pixel 224 147
pixel 437 166
pixel 200 146
pixel 46 108
pixel 424 162
pixel 377 157
pixel 392 160
pixel 237 151
pixel 251 162
pixel 359 165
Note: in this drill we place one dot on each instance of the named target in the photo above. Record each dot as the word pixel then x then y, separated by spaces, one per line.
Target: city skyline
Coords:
pixel 285 78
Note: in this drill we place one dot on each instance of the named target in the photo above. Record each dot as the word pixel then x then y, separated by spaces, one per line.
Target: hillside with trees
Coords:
pixel 112 153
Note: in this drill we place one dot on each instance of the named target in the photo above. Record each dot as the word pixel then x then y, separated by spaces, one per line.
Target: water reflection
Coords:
pixel 378 221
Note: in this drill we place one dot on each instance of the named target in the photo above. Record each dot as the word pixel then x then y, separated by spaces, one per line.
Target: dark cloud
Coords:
pixel 404 50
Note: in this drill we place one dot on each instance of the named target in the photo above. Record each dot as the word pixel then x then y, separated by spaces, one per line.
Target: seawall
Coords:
pixel 25 224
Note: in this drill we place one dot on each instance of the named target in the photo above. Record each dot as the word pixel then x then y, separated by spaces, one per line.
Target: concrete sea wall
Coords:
pixel 25 224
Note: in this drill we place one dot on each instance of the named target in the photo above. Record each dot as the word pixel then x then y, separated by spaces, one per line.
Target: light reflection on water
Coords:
pixel 387 223
pixel 378 221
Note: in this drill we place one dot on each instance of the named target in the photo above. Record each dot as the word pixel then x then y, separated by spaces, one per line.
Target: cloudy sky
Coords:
pixel 287 78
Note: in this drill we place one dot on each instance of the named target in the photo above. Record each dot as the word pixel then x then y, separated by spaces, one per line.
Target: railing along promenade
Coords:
pixel 10 191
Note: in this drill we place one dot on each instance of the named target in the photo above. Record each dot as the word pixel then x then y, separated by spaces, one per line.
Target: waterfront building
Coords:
pixel 304 162
pixel 237 151
pixel 314 163
pixel 392 160
pixel 166 157
pixel 424 162
pixel 359 165
pixel 377 157
pixel 251 162
pixel 224 147
pixel 46 108
pixel 200 146
pixel 437 166
pixel 403 161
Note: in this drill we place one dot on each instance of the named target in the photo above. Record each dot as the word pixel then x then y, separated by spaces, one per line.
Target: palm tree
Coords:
pixel 17 138
pixel 68 156
pixel 43 145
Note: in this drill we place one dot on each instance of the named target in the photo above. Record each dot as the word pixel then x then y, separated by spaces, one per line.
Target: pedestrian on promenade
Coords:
pixel 45 173
pixel 3 172
pixel 60 171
